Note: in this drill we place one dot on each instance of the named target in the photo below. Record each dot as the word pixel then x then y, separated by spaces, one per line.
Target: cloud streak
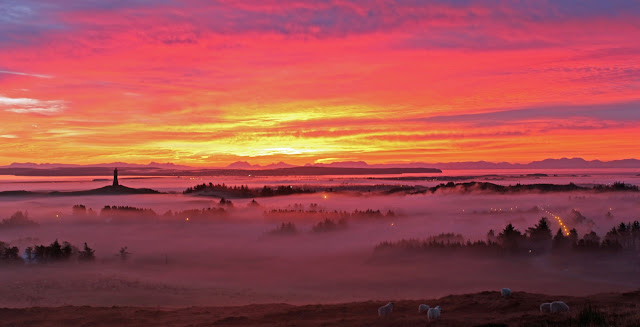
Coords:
pixel 25 74
pixel 27 105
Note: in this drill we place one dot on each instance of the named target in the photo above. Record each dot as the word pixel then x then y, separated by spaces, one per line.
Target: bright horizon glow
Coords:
pixel 206 83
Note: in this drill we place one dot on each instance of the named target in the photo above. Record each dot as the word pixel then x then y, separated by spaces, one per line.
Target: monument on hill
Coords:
pixel 115 177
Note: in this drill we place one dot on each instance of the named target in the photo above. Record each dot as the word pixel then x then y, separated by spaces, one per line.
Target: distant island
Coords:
pixel 154 171
pixel 243 168
pixel 114 189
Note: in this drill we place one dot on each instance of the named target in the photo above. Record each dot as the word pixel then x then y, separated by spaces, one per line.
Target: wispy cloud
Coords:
pixel 25 74
pixel 624 112
pixel 28 105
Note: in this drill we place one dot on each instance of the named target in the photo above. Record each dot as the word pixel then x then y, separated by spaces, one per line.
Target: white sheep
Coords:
pixel 433 313
pixel 385 310
pixel 545 307
pixel 506 292
pixel 559 306
pixel 423 308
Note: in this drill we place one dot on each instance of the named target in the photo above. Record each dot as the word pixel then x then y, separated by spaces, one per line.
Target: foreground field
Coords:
pixel 479 309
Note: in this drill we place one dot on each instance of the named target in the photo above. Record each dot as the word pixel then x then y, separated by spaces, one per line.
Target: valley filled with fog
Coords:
pixel 190 249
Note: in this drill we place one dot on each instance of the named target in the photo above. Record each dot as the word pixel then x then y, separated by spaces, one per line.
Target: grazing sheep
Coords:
pixel 506 292
pixel 545 307
pixel 433 313
pixel 559 306
pixel 423 308
pixel 385 310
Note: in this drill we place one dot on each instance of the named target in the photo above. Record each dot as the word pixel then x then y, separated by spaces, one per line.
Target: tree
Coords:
pixel 9 253
pixel 592 238
pixel 491 237
pixel 573 236
pixel 612 235
pixel 622 229
pixel 124 255
pixel 87 254
pixel 510 237
pixel 67 250
pixel 79 210
pixel 635 229
pixel 541 231
pixel 29 254
pixel 559 241
pixel 55 251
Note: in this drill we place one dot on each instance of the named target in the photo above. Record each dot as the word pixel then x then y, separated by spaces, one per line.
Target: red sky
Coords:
pixel 212 82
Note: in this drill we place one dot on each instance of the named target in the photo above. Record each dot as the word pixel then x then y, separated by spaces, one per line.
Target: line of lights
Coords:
pixel 562 224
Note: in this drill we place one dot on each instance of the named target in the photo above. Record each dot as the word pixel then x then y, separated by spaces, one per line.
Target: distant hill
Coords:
pixel 245 168
pixel 563 163
pixel 150 171
pixel 107 190
pixel 246 165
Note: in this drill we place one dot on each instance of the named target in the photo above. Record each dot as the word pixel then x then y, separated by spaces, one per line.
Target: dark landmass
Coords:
pixel 107 190
pixel 471 187
pixel 458 178
pixel 111 190
pixel 241 168
pixel 246 165
pixel 153 171
pixel 486 308
pixel 242 191
pixel 563 163
pixel 223 191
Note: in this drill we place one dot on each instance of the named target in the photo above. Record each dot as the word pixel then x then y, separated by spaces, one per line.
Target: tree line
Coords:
pixel 535 240
pixel 54 252
pixel 243 191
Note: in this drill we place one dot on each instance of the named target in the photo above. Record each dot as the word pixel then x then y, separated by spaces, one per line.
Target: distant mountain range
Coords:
pixel 246 165
pixel 563 163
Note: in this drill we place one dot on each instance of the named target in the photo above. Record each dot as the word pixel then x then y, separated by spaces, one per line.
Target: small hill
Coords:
pixel 107 190
pixel 112 190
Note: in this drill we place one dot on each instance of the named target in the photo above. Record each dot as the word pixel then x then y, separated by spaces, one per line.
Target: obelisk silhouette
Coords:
pixel 115 177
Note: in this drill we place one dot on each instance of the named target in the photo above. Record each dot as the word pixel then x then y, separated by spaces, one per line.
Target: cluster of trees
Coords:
pixel 326 225
pixel 243 191
pixel 9 254
pixel 286 228
pixel 81 210
pixel 126 212
pixel 196 214
pixel 537 239
pixel 314 212
pixel 543 188
pixel 54 252
pixel 616 186
pixel 329 225
pixel 18 219
pixel 107 210
pixel 225 202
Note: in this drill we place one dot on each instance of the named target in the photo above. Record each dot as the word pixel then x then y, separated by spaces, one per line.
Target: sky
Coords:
pixel 207 83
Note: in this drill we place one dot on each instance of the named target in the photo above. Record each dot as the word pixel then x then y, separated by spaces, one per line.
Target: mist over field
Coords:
pixel 240 254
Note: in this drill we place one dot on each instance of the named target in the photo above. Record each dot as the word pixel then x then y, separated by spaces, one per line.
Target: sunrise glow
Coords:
pixel 209 83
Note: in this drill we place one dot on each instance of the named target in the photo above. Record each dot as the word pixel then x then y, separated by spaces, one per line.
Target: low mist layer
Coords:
pixel 310 248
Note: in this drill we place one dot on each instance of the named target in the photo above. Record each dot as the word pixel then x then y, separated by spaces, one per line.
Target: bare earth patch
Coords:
pixel 479 309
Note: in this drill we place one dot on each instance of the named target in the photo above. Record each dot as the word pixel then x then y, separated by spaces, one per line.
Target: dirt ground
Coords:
pixel 479 309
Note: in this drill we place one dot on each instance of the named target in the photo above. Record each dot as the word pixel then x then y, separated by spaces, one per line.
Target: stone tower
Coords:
pixel 115 177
